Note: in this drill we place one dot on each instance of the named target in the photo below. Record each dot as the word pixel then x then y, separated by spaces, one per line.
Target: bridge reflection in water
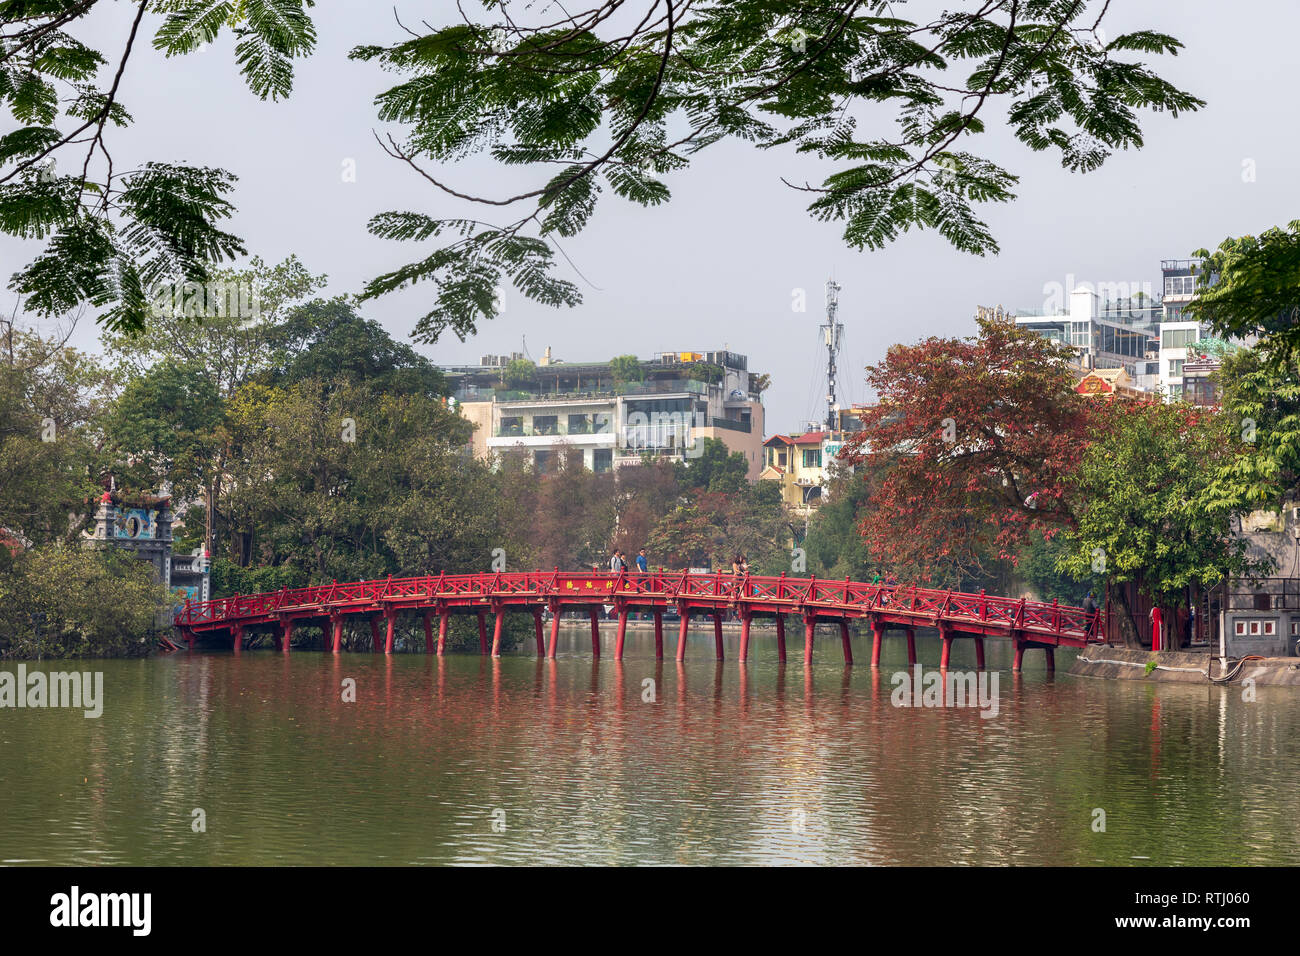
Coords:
pixel 1027 624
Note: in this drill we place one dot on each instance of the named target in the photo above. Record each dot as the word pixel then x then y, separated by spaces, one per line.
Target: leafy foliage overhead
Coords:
pixel 617 97
pixel 112 237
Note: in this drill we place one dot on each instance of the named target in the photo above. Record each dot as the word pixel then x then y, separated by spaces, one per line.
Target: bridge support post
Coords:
pixel 442 631
pixel 428 632
pixel 595 632
pixel 681 634
pixel 237 633
pixel 537 632
pixel 336 625
pixel 659 634
pixel 555 630
pixel 911 647
pixel 877 638
pixel 390 620
pixel 622 633
pixel 496 630
pixel 744 637
pixel 482 632
pixel 780 635
pixel 286 635
pixel 844 640
pixel 374 634
pixel 809 628
pixel 979 653
pixel 717 634
pixel 188 634
pixel 1051 658
pixel 945 635
pixel 1020 655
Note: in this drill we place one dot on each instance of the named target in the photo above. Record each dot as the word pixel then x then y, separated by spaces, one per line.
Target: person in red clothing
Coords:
pixel 1157 632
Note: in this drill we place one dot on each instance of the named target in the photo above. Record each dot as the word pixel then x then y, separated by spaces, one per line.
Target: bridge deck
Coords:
pixel 953 613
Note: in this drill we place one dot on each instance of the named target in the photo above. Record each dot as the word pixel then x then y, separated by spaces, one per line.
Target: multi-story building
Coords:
pixel 610 415
pixel 801 465
pixel 1147 336
pixel 1102 335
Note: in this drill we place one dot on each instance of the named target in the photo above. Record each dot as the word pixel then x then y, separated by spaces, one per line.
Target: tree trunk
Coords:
pixel 1132 637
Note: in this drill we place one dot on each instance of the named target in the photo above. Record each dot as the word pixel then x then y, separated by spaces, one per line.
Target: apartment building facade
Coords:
pixel 611 415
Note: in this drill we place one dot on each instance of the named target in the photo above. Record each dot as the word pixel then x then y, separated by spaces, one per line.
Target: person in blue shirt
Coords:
pixel 642 564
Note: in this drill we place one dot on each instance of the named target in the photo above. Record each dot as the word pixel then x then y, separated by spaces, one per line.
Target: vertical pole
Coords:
pixel 482 632
pixel 555 631
pixel 844 639
pixel 681 635
pixel 374 633
pixel 496 631
pixel 659 634
pixel 442 631
pixel 780 635
pixel 537 632
pixel 1020 655
pixel 237 632
pixel 622 632
pixel 1051 659
pixel 744 637
pixel 911 647
pixel 946 636
pixel 338 634
pixel 979 653
pixel 391 621
pixel 428 632
pixel 809 626
pixel 286 635
pixel 717 633
pixel 877 638
pixel 595 632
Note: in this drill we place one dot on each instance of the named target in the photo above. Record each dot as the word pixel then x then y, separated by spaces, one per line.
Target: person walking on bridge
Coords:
pixel 642 564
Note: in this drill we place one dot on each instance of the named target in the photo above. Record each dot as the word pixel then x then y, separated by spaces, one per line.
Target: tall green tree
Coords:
pixel 1143 503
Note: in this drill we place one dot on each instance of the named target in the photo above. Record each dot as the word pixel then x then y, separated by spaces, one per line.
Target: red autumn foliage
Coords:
pixel 975 439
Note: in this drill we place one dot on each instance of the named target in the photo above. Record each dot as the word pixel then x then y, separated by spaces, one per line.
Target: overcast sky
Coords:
pixel 717 267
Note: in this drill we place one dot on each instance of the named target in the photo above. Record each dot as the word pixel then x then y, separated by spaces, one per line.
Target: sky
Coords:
pixel 722 264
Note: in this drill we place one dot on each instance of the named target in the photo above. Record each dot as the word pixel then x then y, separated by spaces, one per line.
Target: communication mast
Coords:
pixel 832 333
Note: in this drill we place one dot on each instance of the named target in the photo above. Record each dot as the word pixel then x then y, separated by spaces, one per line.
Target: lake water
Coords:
pixel 514 761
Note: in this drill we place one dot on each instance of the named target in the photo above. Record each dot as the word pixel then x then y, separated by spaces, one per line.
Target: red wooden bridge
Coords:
pixel 883 606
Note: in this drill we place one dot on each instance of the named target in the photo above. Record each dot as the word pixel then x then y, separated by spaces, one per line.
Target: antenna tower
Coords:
pixel 832 333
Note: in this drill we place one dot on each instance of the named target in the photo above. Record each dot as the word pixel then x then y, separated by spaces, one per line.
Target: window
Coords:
pixel 812 458
pixel 1263 602
pixel 579 424
pixel 1239 628
pixel 602 460
pixel 1176 368
pixel 546 425
pixel 1180 285
pixel 1179 338
pixel 1270 628
pixel 512 427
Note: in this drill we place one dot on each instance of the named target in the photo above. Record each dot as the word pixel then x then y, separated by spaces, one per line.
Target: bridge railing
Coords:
pixel 850 596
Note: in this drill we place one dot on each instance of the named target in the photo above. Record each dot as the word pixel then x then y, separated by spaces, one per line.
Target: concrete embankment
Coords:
pixel 1182 667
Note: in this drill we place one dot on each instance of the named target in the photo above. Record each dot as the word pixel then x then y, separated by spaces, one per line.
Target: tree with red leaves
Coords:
pixel 975 438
